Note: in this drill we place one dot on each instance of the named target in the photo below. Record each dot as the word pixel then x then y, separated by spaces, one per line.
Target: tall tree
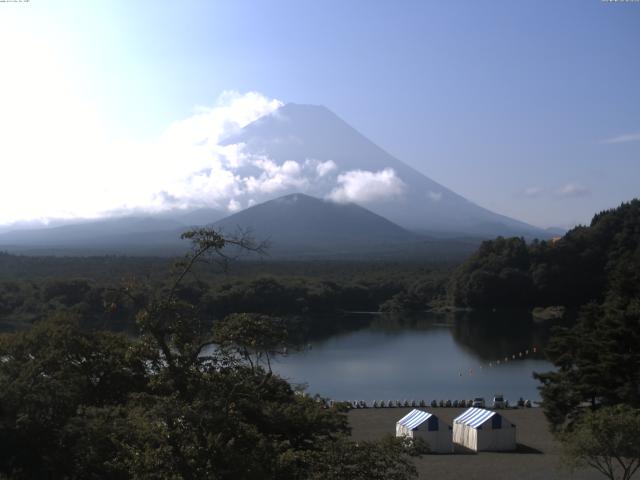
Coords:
pixel 598 363
pixel 608 440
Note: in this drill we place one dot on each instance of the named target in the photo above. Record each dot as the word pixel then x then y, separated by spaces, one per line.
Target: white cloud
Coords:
pixel 233 205
pixel 69 167
pixel 221 180
pixel 324 168
pixel 62 163
pixel 625 138
pixel 572 190
pixel 366 186
pixel 435 196
pixel 275 178
pixel 532 192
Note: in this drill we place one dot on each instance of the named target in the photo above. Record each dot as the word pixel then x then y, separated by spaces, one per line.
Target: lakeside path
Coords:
pixel 537 457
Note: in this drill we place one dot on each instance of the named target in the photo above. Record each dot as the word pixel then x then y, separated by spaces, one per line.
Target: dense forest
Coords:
pixel 596 270
pixel 584 265
pixel 592 398
pixel 84 403
pixel 32 288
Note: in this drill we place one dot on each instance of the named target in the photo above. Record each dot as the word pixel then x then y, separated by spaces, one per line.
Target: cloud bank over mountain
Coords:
pixel 188 166
pixel 362 186
pixel 84 173
pixel 249 149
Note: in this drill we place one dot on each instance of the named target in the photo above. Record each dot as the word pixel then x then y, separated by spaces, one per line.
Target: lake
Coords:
pixel 427 357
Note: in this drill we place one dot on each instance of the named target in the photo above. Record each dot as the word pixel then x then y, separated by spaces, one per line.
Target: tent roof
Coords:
pixel 414 418
pixel 474 417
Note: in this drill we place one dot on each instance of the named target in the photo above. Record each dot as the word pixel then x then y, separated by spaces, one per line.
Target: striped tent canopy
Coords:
pixel 474 417
pixel 414 419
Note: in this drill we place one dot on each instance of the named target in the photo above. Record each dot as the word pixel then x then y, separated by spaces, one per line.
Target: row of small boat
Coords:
pixel 420 403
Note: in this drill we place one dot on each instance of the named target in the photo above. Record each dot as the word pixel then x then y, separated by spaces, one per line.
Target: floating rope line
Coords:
pixel 501 361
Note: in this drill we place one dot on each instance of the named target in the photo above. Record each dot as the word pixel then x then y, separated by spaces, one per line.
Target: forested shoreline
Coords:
pixel 585 265
pixel 153 405
pixel 571 271
pixel 88 288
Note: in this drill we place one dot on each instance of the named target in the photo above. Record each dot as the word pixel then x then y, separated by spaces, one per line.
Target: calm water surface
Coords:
pixel 429 357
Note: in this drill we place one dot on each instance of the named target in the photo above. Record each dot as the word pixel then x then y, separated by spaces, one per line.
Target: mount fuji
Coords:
pixel 354 169
pixel 298 167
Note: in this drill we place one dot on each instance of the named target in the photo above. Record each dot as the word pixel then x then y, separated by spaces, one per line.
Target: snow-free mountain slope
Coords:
pixel 301 220
pixel 88 232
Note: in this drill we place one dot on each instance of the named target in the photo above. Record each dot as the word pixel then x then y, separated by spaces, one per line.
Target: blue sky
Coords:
pixel 531 109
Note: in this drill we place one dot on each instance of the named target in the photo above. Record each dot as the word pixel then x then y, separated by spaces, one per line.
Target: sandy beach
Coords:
pixel 537 456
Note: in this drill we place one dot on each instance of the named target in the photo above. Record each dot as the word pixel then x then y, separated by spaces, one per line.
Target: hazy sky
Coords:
pixel 531 109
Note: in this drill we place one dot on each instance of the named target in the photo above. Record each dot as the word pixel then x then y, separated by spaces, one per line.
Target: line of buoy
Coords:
pixel 502 361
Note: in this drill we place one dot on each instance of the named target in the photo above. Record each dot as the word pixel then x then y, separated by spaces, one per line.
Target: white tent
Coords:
pixel 425 425
pixel 479 429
